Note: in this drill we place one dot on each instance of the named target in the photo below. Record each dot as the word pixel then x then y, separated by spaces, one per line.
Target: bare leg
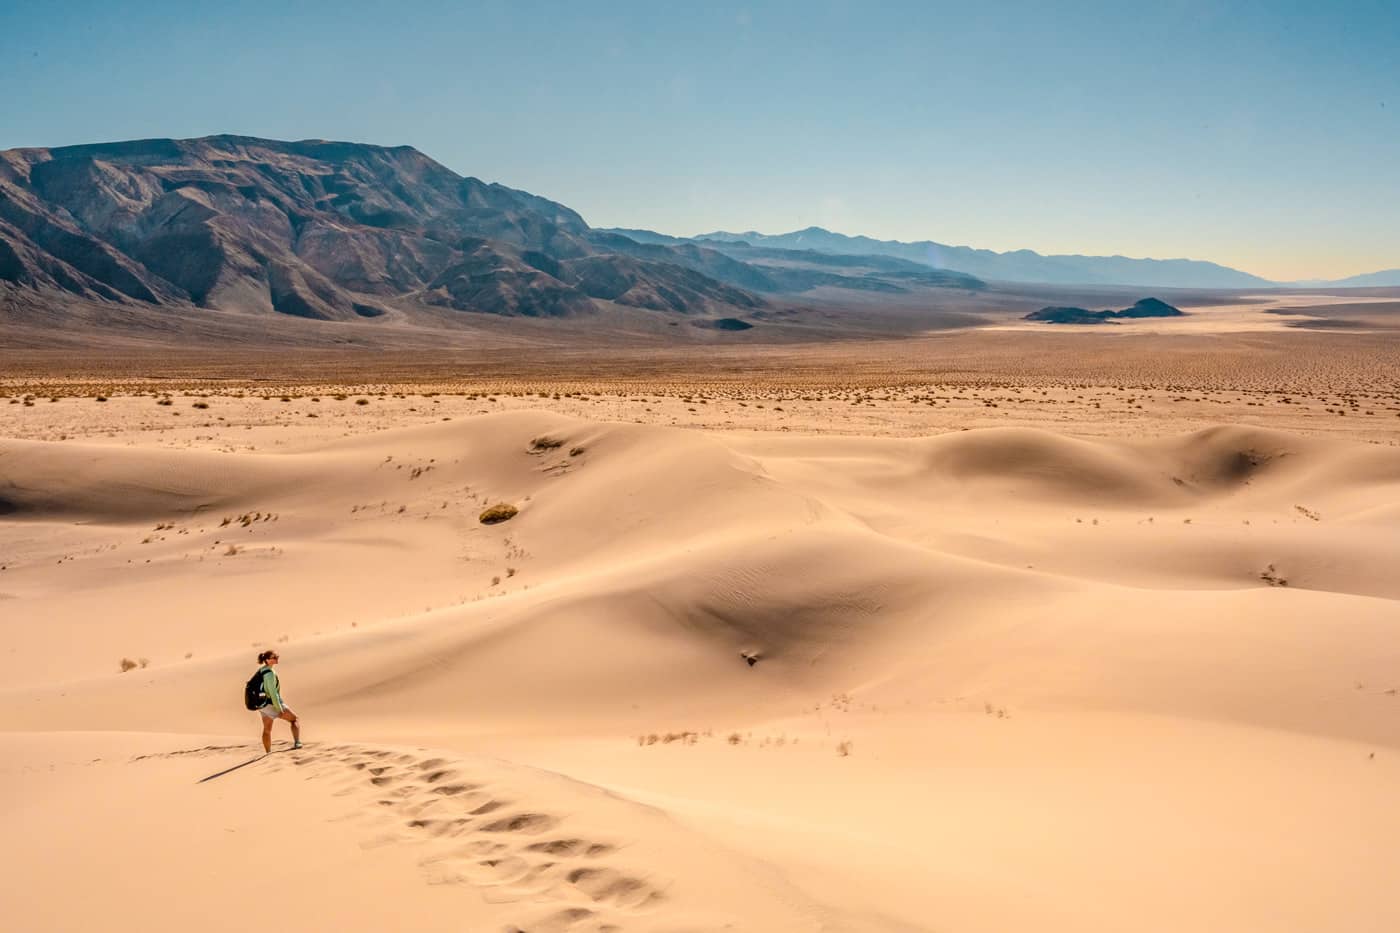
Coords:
pixel 267 734
pixel 296 724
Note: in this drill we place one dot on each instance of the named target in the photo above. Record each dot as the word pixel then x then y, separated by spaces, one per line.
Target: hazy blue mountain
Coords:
pixel 1389 278
pixel 1016 266
pixel 646 236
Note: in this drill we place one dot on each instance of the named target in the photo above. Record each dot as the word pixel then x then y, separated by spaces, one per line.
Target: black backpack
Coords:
pixel 253 696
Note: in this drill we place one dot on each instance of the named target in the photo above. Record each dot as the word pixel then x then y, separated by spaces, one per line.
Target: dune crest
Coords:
pixel 714 635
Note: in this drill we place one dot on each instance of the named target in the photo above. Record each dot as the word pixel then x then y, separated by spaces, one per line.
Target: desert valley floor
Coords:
pixel 984 631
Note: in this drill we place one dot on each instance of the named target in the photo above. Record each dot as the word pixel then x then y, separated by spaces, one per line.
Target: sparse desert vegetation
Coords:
pixel 500 512
pixel 946 564
pixel 1293 381
pixel 907 598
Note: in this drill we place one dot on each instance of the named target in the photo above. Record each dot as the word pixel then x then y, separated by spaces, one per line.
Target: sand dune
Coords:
pixel 983 680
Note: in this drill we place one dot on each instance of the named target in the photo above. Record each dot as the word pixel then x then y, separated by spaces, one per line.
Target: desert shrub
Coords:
pixel 128 665
pixel 201 404
pixel 545 443
pixel 500 512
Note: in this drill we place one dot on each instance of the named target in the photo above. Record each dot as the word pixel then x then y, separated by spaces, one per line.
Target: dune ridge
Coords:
pixel 850 619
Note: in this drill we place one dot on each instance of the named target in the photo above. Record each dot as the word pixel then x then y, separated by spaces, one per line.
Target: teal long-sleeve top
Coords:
pixel 271 688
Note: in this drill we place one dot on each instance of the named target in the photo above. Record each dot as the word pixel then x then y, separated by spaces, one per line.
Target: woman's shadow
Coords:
pixel 241 764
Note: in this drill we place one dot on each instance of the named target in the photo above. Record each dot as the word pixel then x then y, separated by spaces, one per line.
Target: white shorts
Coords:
pixel 270 711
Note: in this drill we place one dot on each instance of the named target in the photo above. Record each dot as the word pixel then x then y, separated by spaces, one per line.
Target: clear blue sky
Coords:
pixel 1262 135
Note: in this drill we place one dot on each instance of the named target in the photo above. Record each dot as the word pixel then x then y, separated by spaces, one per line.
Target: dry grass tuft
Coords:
pixel 685 738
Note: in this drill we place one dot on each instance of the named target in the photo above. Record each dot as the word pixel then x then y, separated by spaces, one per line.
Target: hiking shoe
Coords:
pixel 296 745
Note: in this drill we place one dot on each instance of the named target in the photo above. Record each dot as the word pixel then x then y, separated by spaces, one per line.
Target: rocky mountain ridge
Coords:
pixel 325 230
pixel 348 231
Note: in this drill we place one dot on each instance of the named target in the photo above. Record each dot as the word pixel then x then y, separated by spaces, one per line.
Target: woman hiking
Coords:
pixel 273 708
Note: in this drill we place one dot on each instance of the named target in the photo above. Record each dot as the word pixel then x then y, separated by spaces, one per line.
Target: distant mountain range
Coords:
pixel 343 231
pixel 346 231
pixel 1386 279
pixel 1017 266
pixel 326 230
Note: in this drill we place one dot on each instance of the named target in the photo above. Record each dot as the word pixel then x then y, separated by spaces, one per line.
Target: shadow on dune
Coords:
pixel 241 764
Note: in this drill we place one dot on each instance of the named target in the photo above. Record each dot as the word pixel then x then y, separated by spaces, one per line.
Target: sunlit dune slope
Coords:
pixel 647 562
pixel 716 680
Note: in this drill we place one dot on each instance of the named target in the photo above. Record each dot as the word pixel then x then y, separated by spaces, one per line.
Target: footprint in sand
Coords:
pixel 570 848
pixel 522 823
pixel 568 920
pixel 607 884
pixel 488 807
pixel 493 850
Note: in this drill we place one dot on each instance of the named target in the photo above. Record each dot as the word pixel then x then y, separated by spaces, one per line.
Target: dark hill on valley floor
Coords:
pixel 1146 308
